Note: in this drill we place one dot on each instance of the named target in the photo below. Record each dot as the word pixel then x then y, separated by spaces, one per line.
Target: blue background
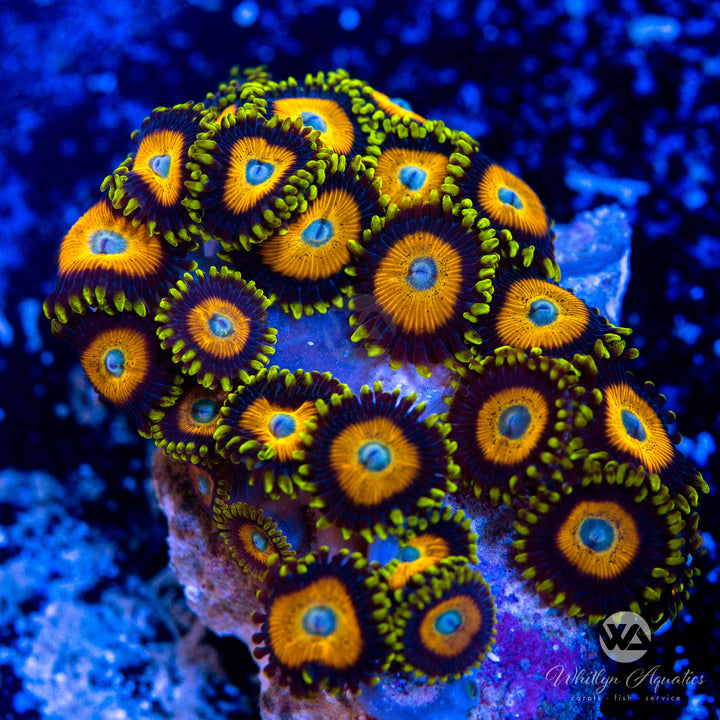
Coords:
pixel 589 102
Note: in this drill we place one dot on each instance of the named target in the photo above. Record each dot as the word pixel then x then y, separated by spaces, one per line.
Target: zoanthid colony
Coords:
pixel 271 202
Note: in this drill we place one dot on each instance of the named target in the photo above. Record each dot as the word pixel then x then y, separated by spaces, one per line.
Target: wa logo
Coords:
pixel 625 637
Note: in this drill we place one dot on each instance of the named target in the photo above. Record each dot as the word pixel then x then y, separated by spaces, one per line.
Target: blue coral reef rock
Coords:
pixel 328 393
pixel 593 251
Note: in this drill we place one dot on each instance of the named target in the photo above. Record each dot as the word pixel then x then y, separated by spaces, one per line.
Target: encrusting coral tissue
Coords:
pixel 325 226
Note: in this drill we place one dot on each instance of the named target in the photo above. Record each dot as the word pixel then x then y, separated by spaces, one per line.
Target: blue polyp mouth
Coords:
pixel 220 325
pixel 514 422
pixel 203 484
pixel 422 273
pixel 448 622
pixel 543 312
pixel 260 542
pixel 313 120
pixel 509 197
pixel 160 165
pixel 597 534
pixel 409 553
pixel 115 362
pixel 282 425
pixel 257 172
pixel 319 620
pixel 318 233
pixel 374 456
pixel 402 102
pixel 107 242
pixel 204 411
pixel 633 425
pixel 412 177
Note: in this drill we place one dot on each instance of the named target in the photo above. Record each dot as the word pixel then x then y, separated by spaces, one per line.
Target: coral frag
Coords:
pixel 325 199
